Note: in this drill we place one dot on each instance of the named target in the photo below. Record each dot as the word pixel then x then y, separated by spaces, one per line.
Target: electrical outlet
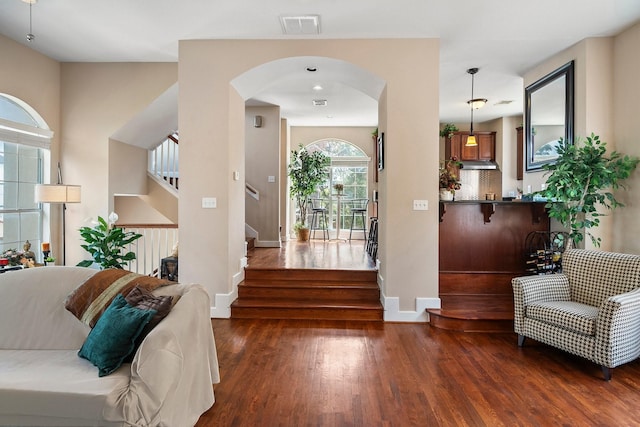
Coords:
pixel 420 205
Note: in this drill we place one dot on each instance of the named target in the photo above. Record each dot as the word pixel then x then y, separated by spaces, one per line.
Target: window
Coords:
pixel 24 143
pixel 349 167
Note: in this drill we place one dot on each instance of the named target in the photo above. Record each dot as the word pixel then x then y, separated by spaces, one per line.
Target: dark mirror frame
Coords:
pixel 566 71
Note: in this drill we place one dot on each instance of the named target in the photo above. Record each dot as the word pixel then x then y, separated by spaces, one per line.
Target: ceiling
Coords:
pixel 504 39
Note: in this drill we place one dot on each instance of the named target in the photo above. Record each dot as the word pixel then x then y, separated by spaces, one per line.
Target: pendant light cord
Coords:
pixel 471 103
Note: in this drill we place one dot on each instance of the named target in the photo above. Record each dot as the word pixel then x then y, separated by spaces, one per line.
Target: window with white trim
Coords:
pixel 349 167
pixel 24 145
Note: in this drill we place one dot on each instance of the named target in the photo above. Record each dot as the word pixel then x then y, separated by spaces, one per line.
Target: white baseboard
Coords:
pixel 267 244
pixel 222 302
pixel 392 312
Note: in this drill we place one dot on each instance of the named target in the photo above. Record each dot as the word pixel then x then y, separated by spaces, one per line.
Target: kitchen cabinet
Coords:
pixel 485 150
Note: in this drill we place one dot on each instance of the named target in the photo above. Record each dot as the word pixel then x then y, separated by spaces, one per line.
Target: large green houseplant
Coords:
pixel 581 181
pixel 307 170
pixel 106 244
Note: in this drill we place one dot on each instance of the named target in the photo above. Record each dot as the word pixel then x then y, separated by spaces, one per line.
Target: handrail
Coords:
pixel 252 191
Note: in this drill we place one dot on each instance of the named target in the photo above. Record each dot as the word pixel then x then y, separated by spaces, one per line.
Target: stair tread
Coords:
pixel 307 284
pixel 472 314
pixel 294 304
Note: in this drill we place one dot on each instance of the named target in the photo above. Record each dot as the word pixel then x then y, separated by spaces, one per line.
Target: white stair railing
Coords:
pixel 157 242
pixel 164 161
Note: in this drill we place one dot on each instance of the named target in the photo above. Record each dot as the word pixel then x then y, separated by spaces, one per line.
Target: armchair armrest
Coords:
pixel 551 287
pixel 530 289
pixel 618 329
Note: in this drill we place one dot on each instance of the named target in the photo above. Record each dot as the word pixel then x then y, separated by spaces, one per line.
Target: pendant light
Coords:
pixel 474 103
pixel 30 36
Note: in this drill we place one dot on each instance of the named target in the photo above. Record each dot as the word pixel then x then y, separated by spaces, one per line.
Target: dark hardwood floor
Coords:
pixel 341 373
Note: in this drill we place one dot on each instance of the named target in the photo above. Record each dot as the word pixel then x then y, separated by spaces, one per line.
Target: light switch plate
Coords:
pixel 209 203
pixel 271 178
pixel 420 205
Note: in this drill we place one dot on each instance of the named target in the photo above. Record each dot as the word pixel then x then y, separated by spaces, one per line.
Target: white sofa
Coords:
pixel 43 381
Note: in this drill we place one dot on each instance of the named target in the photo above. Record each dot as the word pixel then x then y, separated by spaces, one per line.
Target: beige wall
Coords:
pixel 262 159
pixel 127 168
pixel 212 127
pixel 97 100
pixel 626 90
pixel 35 79
pixel 598 68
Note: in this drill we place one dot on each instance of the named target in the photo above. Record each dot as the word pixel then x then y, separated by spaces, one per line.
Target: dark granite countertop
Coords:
pixel 461 202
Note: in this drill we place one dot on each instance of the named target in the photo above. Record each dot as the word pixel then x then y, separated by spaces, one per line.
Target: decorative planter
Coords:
pixel 446 195
pixel 303 234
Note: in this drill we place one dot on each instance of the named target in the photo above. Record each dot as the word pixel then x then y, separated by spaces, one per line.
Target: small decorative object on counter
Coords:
pixel 449 178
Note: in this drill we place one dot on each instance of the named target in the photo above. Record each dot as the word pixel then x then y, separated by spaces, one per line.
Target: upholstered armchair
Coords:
pixel 591 309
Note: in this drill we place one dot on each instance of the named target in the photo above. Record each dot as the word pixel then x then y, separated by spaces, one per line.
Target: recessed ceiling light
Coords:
pixel 317 87
pixel 30 1
pixel 320 102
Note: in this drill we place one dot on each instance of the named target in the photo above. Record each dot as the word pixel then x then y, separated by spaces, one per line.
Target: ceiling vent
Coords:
pixel 320 102
pixel 300 25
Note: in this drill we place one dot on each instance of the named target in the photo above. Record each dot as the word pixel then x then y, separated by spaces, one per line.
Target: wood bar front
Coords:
pixel 482 247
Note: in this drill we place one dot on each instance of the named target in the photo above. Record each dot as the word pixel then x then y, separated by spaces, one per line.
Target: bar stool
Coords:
pixel 372 242
pixel 319 219
pixel 359 208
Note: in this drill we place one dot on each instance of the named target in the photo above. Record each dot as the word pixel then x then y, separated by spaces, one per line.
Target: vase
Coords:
pixel 446 195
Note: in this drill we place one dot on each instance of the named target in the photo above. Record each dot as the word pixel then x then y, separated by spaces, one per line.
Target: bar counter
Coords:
pixel 481 248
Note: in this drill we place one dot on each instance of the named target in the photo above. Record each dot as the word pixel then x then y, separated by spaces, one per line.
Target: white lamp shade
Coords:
pixel 51 193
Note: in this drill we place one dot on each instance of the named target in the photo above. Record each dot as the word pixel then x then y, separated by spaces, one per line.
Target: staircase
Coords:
pixel 308 294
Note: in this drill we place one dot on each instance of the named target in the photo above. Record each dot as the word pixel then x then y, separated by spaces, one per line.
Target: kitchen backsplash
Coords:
pixel 477 183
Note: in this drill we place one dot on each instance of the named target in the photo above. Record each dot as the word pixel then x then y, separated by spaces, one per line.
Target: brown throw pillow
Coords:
pixel 89 300
pixel 143 299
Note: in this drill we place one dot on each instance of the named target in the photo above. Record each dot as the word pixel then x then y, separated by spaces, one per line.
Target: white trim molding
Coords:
pixel 221 308
pixel 392 311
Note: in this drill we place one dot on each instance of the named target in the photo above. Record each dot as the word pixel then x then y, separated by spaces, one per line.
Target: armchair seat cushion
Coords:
pixel 575 316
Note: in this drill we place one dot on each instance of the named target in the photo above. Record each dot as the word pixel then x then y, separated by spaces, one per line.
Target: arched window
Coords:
pixel 24 144
pixel 349 167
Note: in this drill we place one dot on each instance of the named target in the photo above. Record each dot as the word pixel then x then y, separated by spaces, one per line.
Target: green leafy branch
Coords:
pixel 106 245
pixel 581 181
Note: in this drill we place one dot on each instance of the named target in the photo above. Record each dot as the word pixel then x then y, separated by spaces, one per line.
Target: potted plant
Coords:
pixel 448 130
pixel 306 171
pixel 106 242
pixel 580 181
pixel 449 178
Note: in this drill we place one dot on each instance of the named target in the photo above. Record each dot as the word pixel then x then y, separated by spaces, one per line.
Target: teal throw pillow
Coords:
pixel 113 337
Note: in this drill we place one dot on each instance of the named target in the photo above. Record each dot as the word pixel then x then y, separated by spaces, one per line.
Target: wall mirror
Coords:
pixel 548 116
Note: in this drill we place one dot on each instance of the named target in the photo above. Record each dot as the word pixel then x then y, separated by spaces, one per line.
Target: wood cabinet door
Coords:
pixel 452 147
pixel 468 153
pixel 486 147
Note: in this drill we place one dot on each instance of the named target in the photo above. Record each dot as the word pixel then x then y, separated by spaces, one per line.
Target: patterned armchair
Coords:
pixel 591 309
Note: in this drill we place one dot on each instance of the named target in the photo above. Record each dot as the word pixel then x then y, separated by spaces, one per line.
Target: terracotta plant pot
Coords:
pixel 303 234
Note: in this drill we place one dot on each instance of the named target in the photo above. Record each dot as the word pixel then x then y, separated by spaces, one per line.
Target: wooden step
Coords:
pixel 293 292
pixel 308 294
pixel 471 320
pixel 311 274
pixel 304 309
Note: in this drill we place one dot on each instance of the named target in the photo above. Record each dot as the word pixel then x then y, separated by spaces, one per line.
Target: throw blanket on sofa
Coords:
pixel 92 298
